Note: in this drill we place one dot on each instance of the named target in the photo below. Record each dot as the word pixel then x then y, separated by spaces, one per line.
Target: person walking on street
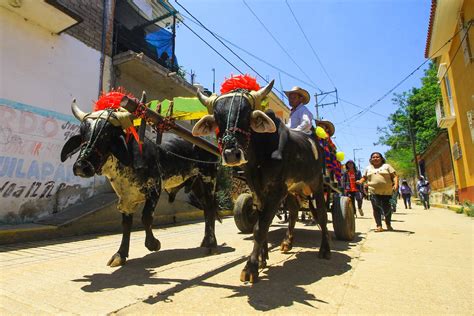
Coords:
pixel 382 180
pixel 351 188
pixel 424 190
pixel 406 193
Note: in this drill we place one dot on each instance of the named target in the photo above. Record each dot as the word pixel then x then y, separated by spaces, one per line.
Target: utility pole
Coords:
pixel 354 152
pixel 213 80
pixel 324 95
pixel 173 62
pixel 413 146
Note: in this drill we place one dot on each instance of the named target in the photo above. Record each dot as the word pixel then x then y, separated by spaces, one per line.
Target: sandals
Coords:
pixel 389 228
pixel 379 229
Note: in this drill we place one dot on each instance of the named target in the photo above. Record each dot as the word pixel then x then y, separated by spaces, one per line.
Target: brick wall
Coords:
pixel 89 31
pixel 438 163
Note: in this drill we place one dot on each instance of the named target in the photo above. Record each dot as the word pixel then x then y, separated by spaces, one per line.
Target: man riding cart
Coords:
pixel 245 209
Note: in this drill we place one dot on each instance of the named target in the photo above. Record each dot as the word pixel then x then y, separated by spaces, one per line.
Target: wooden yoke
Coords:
pixel 141 111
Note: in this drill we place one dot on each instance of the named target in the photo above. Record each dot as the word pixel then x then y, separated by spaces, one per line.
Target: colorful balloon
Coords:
pixel 340 156
pixel 321 133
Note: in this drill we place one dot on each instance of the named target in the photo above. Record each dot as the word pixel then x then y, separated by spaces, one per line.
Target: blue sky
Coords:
pixel 365 46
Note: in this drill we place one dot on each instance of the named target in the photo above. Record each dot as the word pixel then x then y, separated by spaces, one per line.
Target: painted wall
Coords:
pixel 461 76
pixel 40 74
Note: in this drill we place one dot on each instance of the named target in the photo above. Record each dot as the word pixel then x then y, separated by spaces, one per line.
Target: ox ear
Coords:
pixel 261 123
pixel 119 149
pixel 205 126
pixel 71 147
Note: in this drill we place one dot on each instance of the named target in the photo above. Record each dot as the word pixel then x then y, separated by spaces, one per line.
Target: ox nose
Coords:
pixel 83 169
pixel 232 156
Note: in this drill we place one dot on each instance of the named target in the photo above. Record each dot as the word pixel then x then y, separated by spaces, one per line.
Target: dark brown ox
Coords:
pixel 247 138
pixel 139 177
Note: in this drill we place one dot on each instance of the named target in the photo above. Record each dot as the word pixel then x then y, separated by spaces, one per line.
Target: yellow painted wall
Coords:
pixel 277 105
pixel 461 76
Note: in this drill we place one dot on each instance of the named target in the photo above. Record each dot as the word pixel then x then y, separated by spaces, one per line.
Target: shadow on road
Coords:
pixel 279 285
pixel 140 272
pixel 282 285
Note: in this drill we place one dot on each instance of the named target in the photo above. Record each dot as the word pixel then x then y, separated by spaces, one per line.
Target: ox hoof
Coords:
pixel 153 244
pixel 285 247
pixel 116 261
pixel 209 242
pixel 324 254
pixel 212 251
pixel 249 273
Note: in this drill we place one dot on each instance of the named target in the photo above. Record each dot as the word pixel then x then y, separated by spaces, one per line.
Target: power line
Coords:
pixel 256 57
pixel 281 46
pixel 265 62
pixel 457 50
pixel 235 67
pixel 275 67
pixel 361 107
pixel 212 33
pixel 309 43
pixel 365 110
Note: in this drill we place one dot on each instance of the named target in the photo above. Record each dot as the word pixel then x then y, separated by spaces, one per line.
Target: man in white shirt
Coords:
pixel 300 117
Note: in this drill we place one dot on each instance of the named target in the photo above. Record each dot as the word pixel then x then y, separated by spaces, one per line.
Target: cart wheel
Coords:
pixel 245 216
pixel 343 218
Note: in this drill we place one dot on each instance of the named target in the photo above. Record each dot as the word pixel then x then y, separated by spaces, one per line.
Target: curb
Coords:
pixel 10 234
pixel 447 206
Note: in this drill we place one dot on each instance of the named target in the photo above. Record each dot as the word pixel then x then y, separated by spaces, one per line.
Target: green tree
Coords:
pixel 415 107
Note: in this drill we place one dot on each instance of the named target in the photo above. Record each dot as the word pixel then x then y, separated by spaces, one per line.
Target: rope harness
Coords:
pixel 90 144
pixel 229 135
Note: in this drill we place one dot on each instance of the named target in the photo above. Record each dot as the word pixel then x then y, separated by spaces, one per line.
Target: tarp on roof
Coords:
pixel 162 40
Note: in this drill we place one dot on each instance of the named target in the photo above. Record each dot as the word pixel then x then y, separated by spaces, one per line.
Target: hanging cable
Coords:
pixel 212 33
pixel 254 56
pixel 310 45
pixel 365 110
pixel 279 44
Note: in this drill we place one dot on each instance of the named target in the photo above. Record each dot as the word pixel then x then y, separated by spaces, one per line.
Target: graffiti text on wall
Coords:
pixel 12 167
pixel 26 130
pixel 34 190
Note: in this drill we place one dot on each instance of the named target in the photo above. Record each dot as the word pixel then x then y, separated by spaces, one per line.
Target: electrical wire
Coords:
pixel 265 62
pixel 279 44
pixel 212 33
pixel 256 57
pixel 309 43
pixel 365 110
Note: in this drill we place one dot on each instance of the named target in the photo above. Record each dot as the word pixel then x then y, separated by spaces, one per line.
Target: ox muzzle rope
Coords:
pixel 229 135
pixel 90 144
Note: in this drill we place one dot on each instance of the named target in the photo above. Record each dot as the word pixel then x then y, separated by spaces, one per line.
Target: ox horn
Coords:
pixel 77 112
pixel 207 101
pixel 143 98
pixel 262 93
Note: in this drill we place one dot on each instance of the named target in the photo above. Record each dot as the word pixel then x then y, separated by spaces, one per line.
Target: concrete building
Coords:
pixel 57 50
pixel 450 45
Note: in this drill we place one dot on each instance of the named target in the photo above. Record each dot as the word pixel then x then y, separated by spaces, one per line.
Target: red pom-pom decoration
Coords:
pixel 111 100
pixel 239 82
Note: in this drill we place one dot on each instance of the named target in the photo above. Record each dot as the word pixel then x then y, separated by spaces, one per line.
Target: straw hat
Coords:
pixel 327 125
pixel 302 92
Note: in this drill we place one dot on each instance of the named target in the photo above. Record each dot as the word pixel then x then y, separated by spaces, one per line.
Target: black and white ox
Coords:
pixel 247 138
pixel 103 150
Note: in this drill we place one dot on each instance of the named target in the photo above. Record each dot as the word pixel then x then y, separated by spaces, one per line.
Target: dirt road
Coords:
pixel 425 266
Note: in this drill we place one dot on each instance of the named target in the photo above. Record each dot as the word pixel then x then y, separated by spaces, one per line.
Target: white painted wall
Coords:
pixel 40 73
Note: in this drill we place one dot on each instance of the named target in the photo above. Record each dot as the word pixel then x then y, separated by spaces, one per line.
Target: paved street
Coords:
pixel 424 267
